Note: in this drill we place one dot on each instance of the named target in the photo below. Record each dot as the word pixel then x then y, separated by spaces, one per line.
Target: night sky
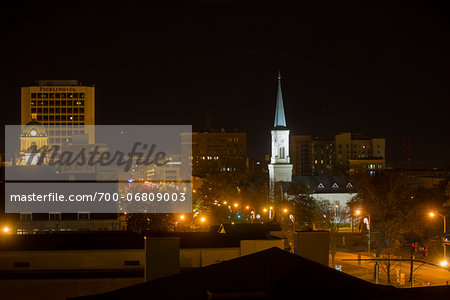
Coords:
pixel 379 70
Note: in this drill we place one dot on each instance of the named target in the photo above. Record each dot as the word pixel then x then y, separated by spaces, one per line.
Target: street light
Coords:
pixel 358 212
pixel 292 217
pixel 443 263
pixel 5 229
pixel 432 215
pixel 236 205
pixel 202 219
pixel 182 217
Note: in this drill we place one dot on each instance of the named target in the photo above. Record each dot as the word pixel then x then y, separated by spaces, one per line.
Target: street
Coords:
pixel 424 275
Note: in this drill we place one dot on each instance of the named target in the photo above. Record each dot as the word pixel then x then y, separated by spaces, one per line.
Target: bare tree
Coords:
pixel 388 198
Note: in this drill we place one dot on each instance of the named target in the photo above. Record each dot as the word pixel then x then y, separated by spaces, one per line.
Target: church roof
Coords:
pixel 326 184
pixel 280 119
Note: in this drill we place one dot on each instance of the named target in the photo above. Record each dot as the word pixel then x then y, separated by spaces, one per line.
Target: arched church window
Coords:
pixel 281 152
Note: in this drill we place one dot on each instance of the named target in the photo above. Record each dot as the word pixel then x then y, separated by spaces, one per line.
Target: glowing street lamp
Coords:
pixel 432 215
pixel 443 263
pixel 358 212
pixel 203 219
pixel 182 217
pixel 5 229
pixel 236 205
pixel 265 210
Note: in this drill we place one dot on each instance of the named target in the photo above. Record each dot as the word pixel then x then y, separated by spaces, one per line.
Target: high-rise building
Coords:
pixel 323 157
pixel 217 151
pixel 301 155
pixel 64 107
pixel 280 168
pixel 356 152
pixel 346 153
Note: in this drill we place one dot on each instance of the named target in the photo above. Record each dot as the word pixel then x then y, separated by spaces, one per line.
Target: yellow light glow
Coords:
pixel 203 219
pixel 247 207
pixel 224 202
pixel 5 229
pixel 358 212
pixel 443 263
pixel 236 205
pixel 265 209
pixel 271 207
pixel 285 210
pixel 182 217
pixel 431 214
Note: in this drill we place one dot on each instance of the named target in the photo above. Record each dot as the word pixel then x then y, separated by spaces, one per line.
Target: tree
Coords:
pixel 388 198
pixel 149 222
pixel 305 207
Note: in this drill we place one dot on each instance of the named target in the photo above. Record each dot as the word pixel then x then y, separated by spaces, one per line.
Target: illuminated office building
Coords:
pixel 64 107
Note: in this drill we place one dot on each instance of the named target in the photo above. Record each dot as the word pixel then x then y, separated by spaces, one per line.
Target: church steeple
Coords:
pixel 280 168
pixel 280 119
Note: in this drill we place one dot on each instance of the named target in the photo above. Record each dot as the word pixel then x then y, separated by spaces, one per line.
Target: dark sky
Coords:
pixel 380 70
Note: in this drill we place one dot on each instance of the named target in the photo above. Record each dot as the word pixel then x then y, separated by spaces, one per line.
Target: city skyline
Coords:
pixel 222 61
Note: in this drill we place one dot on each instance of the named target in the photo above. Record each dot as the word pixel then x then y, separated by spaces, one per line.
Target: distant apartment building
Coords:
pixel 217 151
pixel 301 155
pixel 63 107
pixel 358 153
pixel 345 153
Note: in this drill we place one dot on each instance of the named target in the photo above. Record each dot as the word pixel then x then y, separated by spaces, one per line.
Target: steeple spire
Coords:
pixel 280 119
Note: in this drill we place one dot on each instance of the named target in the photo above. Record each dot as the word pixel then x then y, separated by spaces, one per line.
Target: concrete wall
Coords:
pixel 71 259
pixel 115 259
pixel 162 257
pixel 313 245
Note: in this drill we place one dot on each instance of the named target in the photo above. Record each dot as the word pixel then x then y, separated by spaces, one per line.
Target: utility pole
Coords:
pixel 368 241
pixel 411 271
pixel 445 233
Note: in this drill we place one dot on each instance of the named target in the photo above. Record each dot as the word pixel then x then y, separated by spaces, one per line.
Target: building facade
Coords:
pixel 346 153
pixel 57 112
pixel 217 151
pixel 64 107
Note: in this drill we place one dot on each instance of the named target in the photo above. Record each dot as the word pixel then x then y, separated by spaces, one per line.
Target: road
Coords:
pixel 424 275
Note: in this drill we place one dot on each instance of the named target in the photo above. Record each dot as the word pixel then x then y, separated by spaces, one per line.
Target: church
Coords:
pixel 280 168
pixel 337 190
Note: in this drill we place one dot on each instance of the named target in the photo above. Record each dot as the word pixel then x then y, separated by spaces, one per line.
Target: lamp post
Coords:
pixel 358 212
pixel 433 214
